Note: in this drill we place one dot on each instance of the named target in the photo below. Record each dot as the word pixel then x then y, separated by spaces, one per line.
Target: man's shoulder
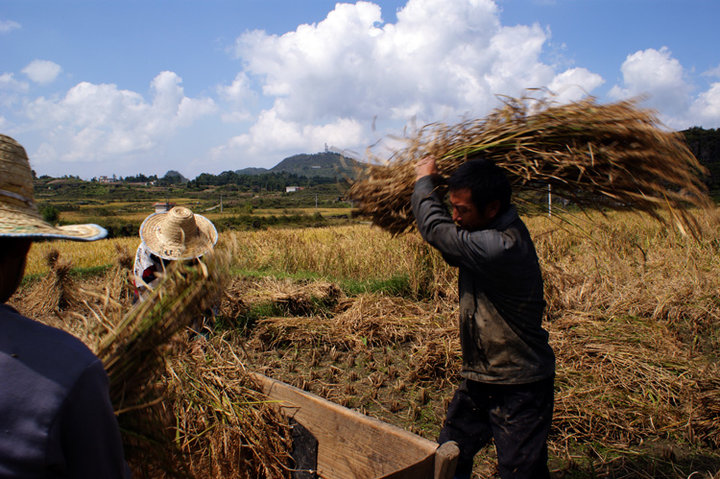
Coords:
pixel 47 350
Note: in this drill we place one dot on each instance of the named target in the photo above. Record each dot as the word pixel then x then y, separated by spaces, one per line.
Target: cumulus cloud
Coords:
pixel 659 77
pixel 9 83
pixel 11 90
pixel 240 96
pixel 573 84
pixel 287 137
pixel 99 122
pixel 705 110
pixel 7 26
pixel 440 60
pixel 42 71
pixel 713 72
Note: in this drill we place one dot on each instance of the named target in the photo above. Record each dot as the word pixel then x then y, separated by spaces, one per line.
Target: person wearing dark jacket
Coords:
pixel 508 366
pixel 56 419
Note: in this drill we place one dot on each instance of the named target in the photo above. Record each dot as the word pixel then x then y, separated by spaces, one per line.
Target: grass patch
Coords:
pixel 398 285
pixel 244 321
pixel 395 286
pixel 76 273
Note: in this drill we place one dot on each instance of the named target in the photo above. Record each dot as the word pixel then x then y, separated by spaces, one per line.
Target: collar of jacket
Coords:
pixel 504 220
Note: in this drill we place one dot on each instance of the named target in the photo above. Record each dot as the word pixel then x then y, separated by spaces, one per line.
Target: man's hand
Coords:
pixel 425 167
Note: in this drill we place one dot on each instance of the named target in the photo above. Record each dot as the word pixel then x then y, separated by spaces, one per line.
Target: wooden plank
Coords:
pixel 350 444
pixel 446 457
pixel 422 469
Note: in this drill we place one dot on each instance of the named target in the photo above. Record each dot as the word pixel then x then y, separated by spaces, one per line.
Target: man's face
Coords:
pixel 12 266
pixel 466 215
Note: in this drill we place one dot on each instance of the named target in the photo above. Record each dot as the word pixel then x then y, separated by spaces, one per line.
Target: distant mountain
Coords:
pixel 174 177
pixel 327 164
pixel 252 171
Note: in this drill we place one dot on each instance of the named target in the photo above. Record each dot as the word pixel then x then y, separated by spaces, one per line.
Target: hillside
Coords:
pixel 327 164
pixel 252 171
pixel 705 145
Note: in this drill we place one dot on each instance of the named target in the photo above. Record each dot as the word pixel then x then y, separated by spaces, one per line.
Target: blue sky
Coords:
pixel 107 87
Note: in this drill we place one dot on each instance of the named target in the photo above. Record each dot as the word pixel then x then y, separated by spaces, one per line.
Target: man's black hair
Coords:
pixel 486 181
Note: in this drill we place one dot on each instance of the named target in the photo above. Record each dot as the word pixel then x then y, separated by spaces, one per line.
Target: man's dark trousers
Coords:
pixel 518 416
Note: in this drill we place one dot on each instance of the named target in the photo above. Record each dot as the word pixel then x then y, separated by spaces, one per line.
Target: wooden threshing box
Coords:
pixel 351 445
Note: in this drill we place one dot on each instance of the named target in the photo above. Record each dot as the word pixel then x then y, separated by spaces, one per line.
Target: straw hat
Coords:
pixel 178 234
pixel 19 216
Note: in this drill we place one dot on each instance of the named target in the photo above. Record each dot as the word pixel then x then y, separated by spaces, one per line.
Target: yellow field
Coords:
pixel 301 211
pixel 81 254
pixel 81 215
pixel 619 260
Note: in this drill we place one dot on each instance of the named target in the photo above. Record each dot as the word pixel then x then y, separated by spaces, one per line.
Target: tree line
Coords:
pixel 275 181
pixel 705 145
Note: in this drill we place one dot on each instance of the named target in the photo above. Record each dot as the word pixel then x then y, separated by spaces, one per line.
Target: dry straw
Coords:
pixel 57 290
pixel 186 405
pixel 225 427
pixel 133 349
pixel 613 155
pixel 366 320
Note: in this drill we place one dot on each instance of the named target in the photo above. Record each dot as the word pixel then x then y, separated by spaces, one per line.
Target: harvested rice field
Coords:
pixel 368 320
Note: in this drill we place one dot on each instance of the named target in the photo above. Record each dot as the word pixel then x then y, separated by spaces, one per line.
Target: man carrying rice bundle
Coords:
pixel 508 365
pixel 56 418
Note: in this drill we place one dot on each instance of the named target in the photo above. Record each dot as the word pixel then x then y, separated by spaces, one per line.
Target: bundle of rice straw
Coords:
pixel 613 155
pixel 223 425
pixel 57 290
pixel 133 351
pixel 185 404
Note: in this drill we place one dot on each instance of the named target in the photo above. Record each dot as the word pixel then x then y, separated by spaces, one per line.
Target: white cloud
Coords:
pixel 7 26
pixel 573 84
pixel 440 61
pixel 101 123
pixel 11 91
pixel 9 83
pixel 238 91
pixel 42 71
pixel 350 64
pixel 662 80
pixel 287 137
pixel 240 96
pixel 659 77
pixel 705 110
pixel 713 72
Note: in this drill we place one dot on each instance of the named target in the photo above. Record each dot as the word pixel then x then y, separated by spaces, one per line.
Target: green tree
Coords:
pixel 50 213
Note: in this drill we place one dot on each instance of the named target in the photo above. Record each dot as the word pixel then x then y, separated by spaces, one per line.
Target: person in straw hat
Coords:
pixel 508 366
pixel 56 419
pixel 174 235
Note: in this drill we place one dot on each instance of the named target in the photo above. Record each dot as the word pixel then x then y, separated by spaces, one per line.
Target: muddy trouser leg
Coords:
pixel 468 424
pixel 520 417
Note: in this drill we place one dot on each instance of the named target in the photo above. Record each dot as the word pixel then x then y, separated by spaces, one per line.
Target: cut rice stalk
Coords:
pixel 613 155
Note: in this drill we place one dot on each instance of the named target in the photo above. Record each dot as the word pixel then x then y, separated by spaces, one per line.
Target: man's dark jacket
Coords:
pixel 56 419
pixel 500 289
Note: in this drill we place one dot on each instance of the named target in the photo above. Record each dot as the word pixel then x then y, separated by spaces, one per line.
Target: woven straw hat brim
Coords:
pixel 23 224
pixel 193 247
pixel 19 216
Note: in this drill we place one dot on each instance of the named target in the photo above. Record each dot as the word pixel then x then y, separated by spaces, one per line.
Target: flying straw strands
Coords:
pixel 613 155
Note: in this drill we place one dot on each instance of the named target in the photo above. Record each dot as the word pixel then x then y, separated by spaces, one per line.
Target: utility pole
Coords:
pixel 549 200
